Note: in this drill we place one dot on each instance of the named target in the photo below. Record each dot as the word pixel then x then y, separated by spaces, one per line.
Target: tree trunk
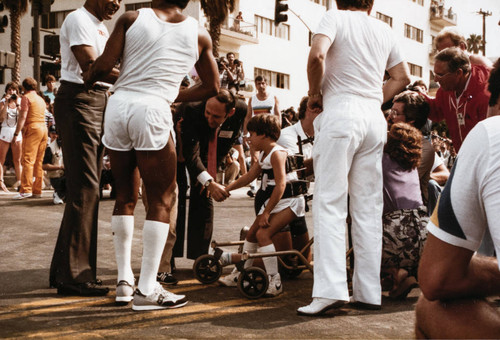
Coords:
pixel 15 43
pixel 214 31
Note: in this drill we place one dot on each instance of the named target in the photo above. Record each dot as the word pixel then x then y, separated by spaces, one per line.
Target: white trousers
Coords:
pixel 349 138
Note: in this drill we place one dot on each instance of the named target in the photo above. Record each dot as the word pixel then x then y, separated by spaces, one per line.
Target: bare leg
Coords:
pixel 241 158
pixel 458 319
pixel 4 147
pixel 126 175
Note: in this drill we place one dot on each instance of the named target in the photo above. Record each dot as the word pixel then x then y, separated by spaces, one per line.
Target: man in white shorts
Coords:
pixel 454 280
pixel 158 47
pixel 350 52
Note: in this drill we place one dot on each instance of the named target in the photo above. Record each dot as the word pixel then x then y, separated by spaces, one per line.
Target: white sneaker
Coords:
pixel 319 306
pixel 57 199
pixel 124 293
pixel 160 298
pixel 275 288
pixel 22 195
pixel 230 280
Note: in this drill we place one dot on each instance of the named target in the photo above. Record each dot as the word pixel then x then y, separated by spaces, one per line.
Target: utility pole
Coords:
pixel 484 14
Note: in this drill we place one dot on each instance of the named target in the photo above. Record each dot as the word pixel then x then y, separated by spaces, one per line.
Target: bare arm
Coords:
pixel 316 70
pixel 23 113
pixel 440 174
pixel 400 77
pixel 103 67
pixel 247 117
pixel 277 111
pixel 450 272
pixel 51 167
pixel 207 71
pixel 251 174
pixel 3 109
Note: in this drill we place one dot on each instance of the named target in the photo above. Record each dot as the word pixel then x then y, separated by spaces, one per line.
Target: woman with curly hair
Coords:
pixel 405 216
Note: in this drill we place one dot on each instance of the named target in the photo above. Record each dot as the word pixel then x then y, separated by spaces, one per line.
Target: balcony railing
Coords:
pixel 240 26
pixel 443 16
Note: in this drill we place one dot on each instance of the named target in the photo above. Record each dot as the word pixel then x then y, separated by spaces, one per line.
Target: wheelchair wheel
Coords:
pixel 207 269
pixel 290 273
pixel 253 283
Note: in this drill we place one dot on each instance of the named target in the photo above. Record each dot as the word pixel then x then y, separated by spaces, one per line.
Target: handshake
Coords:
pixel 217 191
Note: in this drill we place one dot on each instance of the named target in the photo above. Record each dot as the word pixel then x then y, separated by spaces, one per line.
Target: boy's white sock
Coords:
pixel 271 262
pixel 249 247
pixel 154 236
pixel 122 227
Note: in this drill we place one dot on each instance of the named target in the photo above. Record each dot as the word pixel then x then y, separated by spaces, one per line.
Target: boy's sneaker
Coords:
pixel 230 280
pixel 275 288
pixel 22 195
pixel 166 278
pixel 158 299
pixel 124 293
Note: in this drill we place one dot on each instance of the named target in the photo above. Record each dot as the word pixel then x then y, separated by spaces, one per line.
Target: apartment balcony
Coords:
pixel 238 32
pixel 443 17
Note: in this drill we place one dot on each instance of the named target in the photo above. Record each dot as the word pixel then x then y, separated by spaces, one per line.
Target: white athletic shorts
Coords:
pixel 7 133
pixel 136 121
pixel 296 204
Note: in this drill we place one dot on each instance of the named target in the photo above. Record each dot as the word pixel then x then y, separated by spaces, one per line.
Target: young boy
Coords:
pixel 280 208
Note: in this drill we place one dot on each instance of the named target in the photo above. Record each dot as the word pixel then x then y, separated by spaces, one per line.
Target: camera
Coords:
pixel 236 62
pixel 13 97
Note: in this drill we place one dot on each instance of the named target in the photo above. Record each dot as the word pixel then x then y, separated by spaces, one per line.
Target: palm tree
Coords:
pixel 216 12
pixel 17 9
pixel 474 43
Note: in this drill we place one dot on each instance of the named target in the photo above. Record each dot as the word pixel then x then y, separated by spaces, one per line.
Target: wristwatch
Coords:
pixel 207 183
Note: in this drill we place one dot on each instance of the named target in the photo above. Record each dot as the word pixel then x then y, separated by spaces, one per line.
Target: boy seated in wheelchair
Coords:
pixel 283 200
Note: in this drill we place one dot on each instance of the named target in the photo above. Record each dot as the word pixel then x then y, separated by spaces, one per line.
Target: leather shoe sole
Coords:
pixel 82 289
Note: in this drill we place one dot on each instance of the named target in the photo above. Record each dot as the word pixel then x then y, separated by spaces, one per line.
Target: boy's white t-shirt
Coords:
pixel 80 28
pixel 362 49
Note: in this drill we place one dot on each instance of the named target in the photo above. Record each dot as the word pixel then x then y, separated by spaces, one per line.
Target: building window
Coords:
pixel 420 2
pixel 54 19
pixel 385 18
pixel 275 79
pixel 321 2
pixel 414 33
pixel 415 70
pixel 135 7
pixel 266 26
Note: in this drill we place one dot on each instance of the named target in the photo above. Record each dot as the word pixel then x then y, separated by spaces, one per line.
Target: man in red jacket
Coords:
pixel 462 100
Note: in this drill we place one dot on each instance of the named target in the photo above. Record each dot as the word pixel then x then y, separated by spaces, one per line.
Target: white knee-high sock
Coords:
pixel 154 236
pixel 271 262
pixel 123 232
pixel 250 247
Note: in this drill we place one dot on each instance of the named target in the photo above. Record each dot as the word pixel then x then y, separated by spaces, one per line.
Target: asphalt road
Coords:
pixel 29 309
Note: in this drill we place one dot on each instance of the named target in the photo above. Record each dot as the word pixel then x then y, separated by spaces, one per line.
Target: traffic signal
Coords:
pixel 279 8
pixel 41 6
pixel 4 21
pixel 51 45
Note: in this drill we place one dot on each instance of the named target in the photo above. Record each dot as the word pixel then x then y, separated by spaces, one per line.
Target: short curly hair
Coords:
pixel 359 4
pixel 494 84
pixel 404 145
pixel 265 124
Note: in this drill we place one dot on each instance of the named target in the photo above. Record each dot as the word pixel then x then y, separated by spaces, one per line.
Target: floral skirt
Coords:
pixel 405 233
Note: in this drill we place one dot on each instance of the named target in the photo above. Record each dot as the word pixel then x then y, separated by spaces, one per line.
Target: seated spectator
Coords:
pixel 54 166
pixel 107 179
pixel 230 168
pixel 405 216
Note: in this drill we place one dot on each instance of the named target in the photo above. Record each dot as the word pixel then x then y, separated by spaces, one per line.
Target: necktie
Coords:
pixel 212 153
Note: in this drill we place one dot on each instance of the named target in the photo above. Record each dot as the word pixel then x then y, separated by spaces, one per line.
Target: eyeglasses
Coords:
pixel 440 76
pixel 394 113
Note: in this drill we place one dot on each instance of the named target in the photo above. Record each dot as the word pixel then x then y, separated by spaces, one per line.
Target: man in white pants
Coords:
pixel 345 82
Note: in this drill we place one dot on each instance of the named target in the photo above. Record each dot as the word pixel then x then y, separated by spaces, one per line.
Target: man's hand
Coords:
pixel 315 104
pixel 217 191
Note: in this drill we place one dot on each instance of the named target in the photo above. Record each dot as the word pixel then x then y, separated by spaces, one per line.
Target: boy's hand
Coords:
pixel 263 220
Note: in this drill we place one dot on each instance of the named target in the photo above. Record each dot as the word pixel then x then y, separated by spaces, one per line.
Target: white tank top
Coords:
pixel 157 55
pixel 262 106
pixel 265 163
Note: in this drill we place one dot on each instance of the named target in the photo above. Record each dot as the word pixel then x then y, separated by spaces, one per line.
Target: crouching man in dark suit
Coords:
pixel 209 130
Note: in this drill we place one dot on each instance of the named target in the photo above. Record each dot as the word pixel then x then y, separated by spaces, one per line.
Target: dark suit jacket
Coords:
pixel 195 135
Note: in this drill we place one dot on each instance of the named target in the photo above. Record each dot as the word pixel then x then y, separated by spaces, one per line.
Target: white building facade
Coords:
pixel 279 53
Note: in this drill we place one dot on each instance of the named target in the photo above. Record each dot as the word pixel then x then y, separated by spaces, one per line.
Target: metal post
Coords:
pixel 484 14
pixel 36 43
